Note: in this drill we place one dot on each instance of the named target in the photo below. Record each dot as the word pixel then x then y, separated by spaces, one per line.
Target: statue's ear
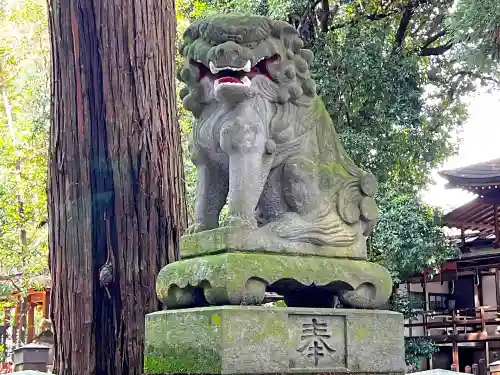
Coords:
pixel 192 32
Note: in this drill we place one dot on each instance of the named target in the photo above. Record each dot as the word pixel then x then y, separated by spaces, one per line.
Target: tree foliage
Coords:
pixel 24 114
pixel 416 349
pixel 476 25
pixel 408 234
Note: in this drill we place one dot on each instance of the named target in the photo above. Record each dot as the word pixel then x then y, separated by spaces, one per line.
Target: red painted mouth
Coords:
pixel 229 80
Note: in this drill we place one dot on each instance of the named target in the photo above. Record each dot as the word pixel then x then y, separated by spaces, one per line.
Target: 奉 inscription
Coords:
pixel 314 340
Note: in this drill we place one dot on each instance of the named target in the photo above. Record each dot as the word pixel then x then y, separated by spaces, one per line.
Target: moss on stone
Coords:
pixel 180 360
pixel 199 352
pixel 231 239
pixel 361 332
pixel 257 339
pixel 216 320
pixel 230 272
pixel 208 242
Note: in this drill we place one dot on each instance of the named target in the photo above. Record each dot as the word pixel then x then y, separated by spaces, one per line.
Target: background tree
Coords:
pixel 24 119
pixel 475 25
pixel 392 74
pixel 116 196
pixel 409 236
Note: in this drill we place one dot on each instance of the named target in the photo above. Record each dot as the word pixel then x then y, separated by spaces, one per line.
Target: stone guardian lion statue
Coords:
pixel 264 143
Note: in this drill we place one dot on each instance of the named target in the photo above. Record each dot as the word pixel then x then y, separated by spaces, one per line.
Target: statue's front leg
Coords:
pixel 249 166
pixel 211 193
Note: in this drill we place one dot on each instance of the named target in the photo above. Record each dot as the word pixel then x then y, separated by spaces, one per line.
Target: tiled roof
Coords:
pixel 475 216
pixel 487 172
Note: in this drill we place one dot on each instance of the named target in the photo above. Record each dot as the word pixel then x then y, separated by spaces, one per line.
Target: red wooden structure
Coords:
pixel 23 326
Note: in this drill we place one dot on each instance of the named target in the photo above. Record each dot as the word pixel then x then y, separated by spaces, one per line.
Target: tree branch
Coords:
pixel 380 16
pixel 369 17
pixel 436 22
pixel 335 10
pixel 477 75
pixel 325 15
pixel 10 280
pixel 308 11
pixel 15 285
pixel 403 26
pixel 433 38
pixel 305 27
pixel 435 51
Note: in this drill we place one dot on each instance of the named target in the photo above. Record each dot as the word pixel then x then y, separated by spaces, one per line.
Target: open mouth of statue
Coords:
pixel 233 76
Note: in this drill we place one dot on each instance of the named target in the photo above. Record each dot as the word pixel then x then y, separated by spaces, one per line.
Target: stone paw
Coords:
pixel 236 221
pixel 362 297
pixel 252 293
pixel 186 297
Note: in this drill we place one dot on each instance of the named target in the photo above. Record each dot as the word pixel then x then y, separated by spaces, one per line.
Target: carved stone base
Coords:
pixel 243 278
pixel 265 340
pixel 263 240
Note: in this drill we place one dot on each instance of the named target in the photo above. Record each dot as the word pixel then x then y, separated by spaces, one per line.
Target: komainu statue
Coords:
pixel 299 209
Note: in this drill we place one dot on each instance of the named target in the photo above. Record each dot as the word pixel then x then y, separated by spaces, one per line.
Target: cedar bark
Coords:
pixel 115 153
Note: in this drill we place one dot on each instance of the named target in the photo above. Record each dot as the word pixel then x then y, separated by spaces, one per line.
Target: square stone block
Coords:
pixel 269 340
pixel 31 357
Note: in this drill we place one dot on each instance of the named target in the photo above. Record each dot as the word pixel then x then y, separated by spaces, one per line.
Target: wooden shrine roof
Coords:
pixel 477 215
pixel 476 175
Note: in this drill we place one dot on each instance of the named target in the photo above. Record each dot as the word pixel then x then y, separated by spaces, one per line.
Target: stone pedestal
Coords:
pixel 31 357
pixel 236 277
pixel 269 340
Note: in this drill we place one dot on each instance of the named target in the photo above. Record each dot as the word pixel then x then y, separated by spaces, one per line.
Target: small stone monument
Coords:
pixel 31 357
pixel 299 211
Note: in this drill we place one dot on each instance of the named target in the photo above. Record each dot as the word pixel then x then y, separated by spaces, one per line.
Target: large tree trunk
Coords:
pixel 114 153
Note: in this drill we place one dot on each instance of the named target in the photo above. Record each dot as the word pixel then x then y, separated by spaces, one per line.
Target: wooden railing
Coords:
pixel 476 369
pixel 466 324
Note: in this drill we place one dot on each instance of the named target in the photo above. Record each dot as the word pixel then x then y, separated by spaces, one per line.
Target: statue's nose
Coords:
pixel 228 50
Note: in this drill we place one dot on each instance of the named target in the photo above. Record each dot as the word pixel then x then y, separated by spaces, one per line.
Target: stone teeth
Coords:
pixel 246 81
pixel 212 67
pixel 214 70
pixel 248 66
